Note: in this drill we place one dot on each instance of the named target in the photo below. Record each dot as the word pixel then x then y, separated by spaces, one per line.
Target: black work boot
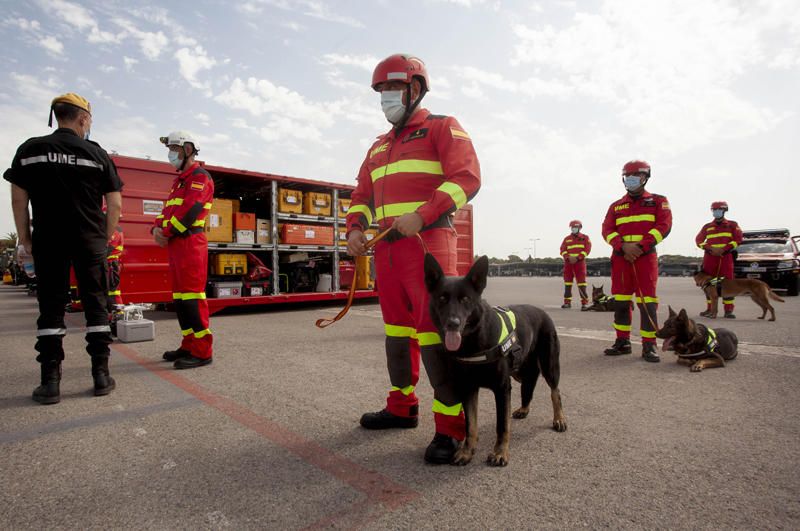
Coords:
pixel 584 307
pixel 191 362
pixel 566 305
pixel 649 352
pixel 706 313
pixel 620 346
pixel 50 390
pixel 173 355
pixel 383 420
pixel 441 449
pixel 729 315
pixel 103 382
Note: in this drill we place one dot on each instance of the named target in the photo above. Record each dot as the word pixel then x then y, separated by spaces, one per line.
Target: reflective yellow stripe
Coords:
pixel 584 253
pixel 719 235
pixel 399 331
pixel 361 209
pixel 164 223
pixel 634 219
pixel 611 236
pixel 581 283
pixel 579 246
pixel 187 332
pixel 176 201
pixel 648 334
pixel 199 223
pixel 432 167
pixel 405 390
pixel 728 301
pixel 160 216
pixel 207 206
pixel 188 296
pixel 656 234
pixel 397 209
pixel 112 293
pixel 734 245
pixel 455 192
pixel 450 411
pixel 622 328
pixel 564 253
pixel 113 257
pixel 567 283
pixel 647 300
pixel 622 297
pixel 428 338
pixel 118 248
pixel 718 245
pixel 633 238
pixel 177 224
pixel 202 333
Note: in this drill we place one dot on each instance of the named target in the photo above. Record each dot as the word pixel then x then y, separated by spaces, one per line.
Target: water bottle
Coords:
pixel 26 261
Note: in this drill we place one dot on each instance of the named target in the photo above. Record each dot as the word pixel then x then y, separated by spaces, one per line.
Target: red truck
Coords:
pixel 260 196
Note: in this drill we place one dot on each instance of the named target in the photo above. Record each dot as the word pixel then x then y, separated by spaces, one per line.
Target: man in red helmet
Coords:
pixel 179 228
pixel 633 226
pixel 575 248
pixel 412 179
pixel 719 239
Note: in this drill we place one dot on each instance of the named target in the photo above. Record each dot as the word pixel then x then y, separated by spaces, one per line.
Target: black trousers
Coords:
pixel 52 262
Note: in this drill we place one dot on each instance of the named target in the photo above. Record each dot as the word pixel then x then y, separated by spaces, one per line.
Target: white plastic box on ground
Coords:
pixel 136 330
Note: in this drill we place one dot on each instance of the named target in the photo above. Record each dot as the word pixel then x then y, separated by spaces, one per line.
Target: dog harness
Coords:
pixel 710 348
pixel 505 345
pixel 716 281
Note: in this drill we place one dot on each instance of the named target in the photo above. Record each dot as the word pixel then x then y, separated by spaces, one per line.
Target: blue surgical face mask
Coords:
pixel 86 134
pixel 575 230
pixel 632 182
pixel 174 159
pixel 718 213
pixel 392 105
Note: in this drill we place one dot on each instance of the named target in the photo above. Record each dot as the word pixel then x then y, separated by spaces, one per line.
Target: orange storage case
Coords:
pixel 244 221
pixel 294 234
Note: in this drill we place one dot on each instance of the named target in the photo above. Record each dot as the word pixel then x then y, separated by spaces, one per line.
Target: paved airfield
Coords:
pixel 268 437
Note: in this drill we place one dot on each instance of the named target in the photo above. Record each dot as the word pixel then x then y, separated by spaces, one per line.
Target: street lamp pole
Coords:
pixel 534 240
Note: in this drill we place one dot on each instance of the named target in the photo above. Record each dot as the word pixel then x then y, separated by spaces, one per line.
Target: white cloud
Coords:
pixel 80 18
pixel 129 62
pixel 106 69
pixel 364 62
pixel 310 8
pixel 294 26
pixel 52 45
pixel 191 62
pixel 23 24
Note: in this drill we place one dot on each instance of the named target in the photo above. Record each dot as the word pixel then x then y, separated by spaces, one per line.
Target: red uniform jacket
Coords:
pixel 576 245
pixel 115 246
pixel 645 220
pixel 724 234
pixel 429 167
pixel 188 204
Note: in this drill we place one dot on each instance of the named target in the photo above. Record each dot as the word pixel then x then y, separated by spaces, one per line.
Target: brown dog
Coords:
pixel 758 290
pixel 697 345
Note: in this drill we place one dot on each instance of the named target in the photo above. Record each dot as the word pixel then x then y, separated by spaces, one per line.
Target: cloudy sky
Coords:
pixel 557 96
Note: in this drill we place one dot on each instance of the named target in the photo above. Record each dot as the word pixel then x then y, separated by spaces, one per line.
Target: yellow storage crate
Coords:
pixel 365 272
pixel 290 201
pixel 219 222
pixel 317 204
pixel 344 206
pixel 228 264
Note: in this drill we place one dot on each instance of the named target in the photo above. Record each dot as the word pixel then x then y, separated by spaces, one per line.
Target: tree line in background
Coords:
pixel 514 259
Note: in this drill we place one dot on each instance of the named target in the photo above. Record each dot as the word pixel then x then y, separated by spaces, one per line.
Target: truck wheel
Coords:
pixel 792 288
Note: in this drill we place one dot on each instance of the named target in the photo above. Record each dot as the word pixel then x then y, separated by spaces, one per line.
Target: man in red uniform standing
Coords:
pixel 575 248
pixel 179 227
pixel 412 179
pixel 719 239
pixel 633 226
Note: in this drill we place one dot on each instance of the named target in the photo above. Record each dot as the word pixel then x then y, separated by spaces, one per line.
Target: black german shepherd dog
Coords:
pixel 489 346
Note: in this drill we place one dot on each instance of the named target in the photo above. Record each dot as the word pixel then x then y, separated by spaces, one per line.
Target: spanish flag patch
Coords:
pixel 196 185
pixel 459 134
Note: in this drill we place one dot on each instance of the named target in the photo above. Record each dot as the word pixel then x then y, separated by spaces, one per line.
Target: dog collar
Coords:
pixel 710 347
pixel 508 338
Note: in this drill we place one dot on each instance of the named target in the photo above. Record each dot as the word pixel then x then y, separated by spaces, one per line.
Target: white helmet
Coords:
pixel 179 138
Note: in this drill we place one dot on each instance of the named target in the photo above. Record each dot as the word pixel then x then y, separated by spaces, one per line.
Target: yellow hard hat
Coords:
pixel 72 99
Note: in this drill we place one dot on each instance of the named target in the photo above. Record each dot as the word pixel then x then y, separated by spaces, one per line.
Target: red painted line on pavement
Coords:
pixel 376 487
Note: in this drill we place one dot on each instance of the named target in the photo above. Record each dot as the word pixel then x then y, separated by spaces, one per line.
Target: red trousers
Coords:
pixel 578 272
pixel 188 271
pixel 719 266
pixel 635 282
pixel 409 330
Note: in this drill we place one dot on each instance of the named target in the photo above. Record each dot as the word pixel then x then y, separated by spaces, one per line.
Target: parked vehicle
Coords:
pixel 770 255
pixel 301 243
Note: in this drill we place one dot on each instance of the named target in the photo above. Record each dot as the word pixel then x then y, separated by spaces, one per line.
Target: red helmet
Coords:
pixel 400 67
pixel 575 223
pixel 636 166
pixel 719 205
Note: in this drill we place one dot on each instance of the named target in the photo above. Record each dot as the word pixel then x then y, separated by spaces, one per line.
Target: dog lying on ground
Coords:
pixel 489 346
pixel 697 345
pixel 600 301
pixel 758 290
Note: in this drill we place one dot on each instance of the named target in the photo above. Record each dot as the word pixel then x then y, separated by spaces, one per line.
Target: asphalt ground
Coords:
pixel 267 437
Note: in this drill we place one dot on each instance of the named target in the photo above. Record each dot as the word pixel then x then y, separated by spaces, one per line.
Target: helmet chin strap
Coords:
pixel 410 107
